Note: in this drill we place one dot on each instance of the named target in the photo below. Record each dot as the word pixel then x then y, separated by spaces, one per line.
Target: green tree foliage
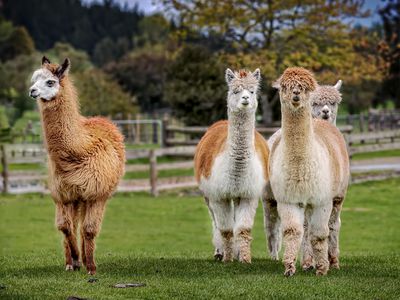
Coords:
pixel 389 49
pixel 108 50
pixel 195 86
pixel 3 118
pixel 101 95
pixel 14 41
pixel 81 25
pixel 142 73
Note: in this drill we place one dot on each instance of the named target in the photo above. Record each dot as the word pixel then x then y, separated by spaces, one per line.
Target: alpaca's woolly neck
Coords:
pixel 297 134
pixel 240 141
pixel 62 122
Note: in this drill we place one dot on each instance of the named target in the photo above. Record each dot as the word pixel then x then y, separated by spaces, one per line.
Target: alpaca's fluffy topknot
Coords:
pixel 245 78
pixel 326 94
pixel 294 77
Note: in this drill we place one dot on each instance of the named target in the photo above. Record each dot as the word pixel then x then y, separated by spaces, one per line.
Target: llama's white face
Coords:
pixel 243 88
pixel 325 102
pixel 45 85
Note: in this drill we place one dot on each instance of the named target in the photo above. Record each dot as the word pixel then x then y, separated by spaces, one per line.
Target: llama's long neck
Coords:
pixel 297 135
pixel 62 122
pixel 240 141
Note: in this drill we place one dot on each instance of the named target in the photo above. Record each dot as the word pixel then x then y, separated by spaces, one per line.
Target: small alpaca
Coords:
pixel 309 167
pixel 231 162
pixel 86 159
pixel 325 101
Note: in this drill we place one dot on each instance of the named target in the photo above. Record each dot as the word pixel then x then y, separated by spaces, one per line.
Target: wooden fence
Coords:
pixel 17 178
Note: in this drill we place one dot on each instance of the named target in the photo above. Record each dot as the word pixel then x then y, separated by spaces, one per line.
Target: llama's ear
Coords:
pixel 64 68
pixel 229 75
pixel 338 85
pixel 257 74
pixel 45 60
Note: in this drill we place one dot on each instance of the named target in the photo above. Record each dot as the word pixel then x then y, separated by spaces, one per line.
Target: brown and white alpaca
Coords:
pixel 86 159
pixel 325 101
pixel 231 164
pixel 309 167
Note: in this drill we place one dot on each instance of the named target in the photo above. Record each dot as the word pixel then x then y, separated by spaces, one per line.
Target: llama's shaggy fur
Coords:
pixel 308 168
pixel 325 101
pixel 86 159
pixel 231 163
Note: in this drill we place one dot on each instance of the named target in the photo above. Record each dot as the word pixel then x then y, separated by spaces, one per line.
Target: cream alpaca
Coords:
pixel 325 101
pixel 231 164
pixel 86 160
pixel 308 168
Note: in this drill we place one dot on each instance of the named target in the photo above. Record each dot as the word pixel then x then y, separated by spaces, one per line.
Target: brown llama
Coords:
pixel 86 159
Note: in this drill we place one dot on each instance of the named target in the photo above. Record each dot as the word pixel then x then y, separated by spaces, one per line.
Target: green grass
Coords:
pixel 379 154
pixel 25 167
pixel 165 242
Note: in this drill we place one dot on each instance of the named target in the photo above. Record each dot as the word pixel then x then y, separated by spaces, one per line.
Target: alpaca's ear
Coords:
pixel 257 74
pixel 276 84
pixel 229 75
pixel 45 60
pixel 63 69
pixel 338 85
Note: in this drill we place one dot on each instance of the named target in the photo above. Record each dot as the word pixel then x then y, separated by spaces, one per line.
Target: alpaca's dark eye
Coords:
pixel 332 103
pixel 236 92
pixel 50 83
pixel 252 92
pixel 314 104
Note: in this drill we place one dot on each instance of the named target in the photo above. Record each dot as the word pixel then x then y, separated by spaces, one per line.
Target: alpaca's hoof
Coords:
pixel 92 272
pixel 322 270
pixel 76 265
pixel 274 256
pixel 245 259
pixel 334 263
pixel 69 268
pixel 290 270
pixel 218 254
pixel 307 267
pixel 91 269
pixel 227 258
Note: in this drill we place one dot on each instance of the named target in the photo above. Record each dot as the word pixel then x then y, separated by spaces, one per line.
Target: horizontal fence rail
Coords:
pixel 23 165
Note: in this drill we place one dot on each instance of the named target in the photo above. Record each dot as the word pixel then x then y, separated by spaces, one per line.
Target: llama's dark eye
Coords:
pixel 332 103
pixel 50 83
pixel 236 92
pixel 314 104
pixel 252 92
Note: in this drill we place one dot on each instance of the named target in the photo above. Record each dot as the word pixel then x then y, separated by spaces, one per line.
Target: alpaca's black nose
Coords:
pixel 296 98
pixel 33 93
pixel 325 111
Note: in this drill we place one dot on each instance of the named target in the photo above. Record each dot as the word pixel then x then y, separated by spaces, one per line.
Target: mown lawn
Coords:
pixel 165 243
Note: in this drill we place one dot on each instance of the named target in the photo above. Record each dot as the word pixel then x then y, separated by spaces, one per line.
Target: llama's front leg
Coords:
pixel 223 214
pixel 66 222
pixel 272 224
pixel 307 261
pixel 334 229
pixel 292 220
pixel 94 211
pixel 245 210
pixel 217 239
pixel 319 232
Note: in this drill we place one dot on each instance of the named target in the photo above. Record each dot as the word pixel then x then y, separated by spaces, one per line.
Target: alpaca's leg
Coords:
pixel 272 224
pixel 245 210
pixel 65 222
pixel 217 239
pixel 307 261
pixel 82 213
pixel 334 228
pixel 319 231
pixel 292 219
pixel 223 214
pixel 94 211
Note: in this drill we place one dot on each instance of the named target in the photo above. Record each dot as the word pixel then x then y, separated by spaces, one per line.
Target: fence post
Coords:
pixel 4 164
pixel 153 172
pixel 164 132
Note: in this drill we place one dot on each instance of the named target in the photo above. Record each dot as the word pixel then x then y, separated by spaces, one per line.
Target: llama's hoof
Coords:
pixel 69 268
